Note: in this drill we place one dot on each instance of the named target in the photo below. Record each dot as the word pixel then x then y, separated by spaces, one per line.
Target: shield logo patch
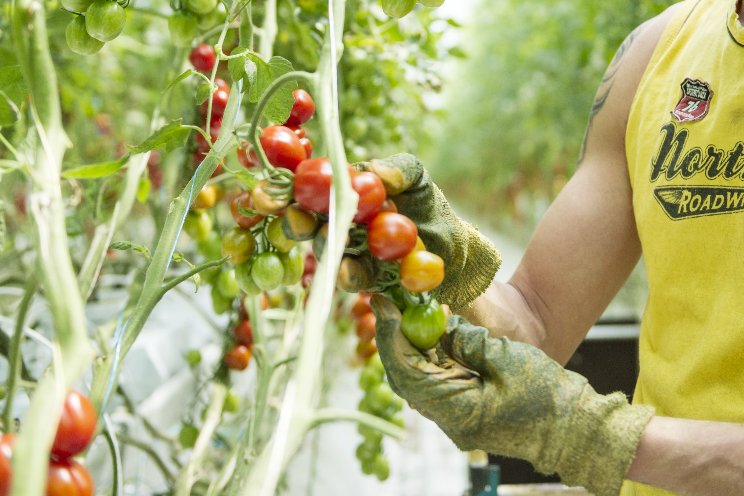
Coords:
pixel 695 101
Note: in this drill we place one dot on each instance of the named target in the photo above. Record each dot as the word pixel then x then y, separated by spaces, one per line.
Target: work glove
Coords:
pixel 511 399
pixel 470 260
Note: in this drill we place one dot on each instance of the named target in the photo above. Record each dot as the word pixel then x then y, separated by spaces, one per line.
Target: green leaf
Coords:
pixel 280 104
pixel 12 83
pixel 9 113
pixel 398 8
pixel 179 78
pixel 202 93
pixel 246 178
pixel 235 66
pixel 94 171
pixel 143 189
pixel 167 138
pixel 128 245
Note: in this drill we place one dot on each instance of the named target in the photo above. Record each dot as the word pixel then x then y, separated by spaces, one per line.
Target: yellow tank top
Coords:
pixel 685 149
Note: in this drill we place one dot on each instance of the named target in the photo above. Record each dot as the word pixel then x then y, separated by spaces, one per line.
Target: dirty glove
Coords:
pixel 470 260
pixel 521 404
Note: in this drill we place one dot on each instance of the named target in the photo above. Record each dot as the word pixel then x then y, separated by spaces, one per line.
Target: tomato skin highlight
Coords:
pixel 421 271
pixel 391 236
pixel 202 57
pixel 7 441
pixel 302 109
pixel 282 147
pixel 68 478
pixel 105 19
pixel 312 184
pixel 76 428
pixel 371 193
pixel 423 325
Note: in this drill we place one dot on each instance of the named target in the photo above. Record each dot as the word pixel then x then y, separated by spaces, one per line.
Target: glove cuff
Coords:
pixel 462 285
pixel 604 435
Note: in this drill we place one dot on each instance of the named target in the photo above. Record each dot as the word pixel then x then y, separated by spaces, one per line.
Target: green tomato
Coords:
pixel 78 38
pixel 215 17
pixel 293 264
pixel 380 397
pixel 187 436
pixel 200 7
pixel 245 280
pixel 267 271
pixel 220 304
pixel 105 19
pixel 232 402
pixel 423 325
pixel 398 8
pixel 381 467
pixel 78 6
pixel 198 225
pixel 367 451
pixel 431 3
pixel 183 28
pixel 277 238
pixel 369 378
pixel 193 357
pixel 227 284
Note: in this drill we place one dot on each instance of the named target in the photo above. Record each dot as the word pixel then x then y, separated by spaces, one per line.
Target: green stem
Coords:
pixel 113 444
pixel 212 76
pixel 147 448
pixel 15 361
pixel 326 415
pixel 269 30
pixel 186 275
pixel 245 32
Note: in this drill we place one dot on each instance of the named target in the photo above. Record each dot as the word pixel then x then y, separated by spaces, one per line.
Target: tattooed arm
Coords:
pixel 586 245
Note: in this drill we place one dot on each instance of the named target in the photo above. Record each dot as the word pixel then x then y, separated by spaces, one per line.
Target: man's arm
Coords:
pixel 587 244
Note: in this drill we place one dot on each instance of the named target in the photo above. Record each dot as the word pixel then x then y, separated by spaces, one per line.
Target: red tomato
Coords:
pixel 238 357
pixel 201 142
pixel 298 130
pixel 7 441
pixel 361 305
pixel 311 263
pixel 202 57
pixel 76 426
pixel 421 271
pixel 243 333
pixel 365 327
pixel 371 195
pixel 68 478
pixel 308 145
pixel 244 201
pixel 219 102
pixel 303 108
pixel 312 184
pixel 391 236
pixel 248 159
pixel 282 147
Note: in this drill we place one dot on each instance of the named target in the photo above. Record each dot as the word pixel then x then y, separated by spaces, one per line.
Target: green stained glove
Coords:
pixel 470 260
pixel 521 404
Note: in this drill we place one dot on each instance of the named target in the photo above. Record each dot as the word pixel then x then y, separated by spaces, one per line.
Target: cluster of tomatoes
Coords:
pixel 96 22
pixel 381 401
pixel 75 431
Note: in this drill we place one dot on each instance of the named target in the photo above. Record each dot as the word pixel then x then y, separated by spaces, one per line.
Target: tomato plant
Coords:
pixel 391 236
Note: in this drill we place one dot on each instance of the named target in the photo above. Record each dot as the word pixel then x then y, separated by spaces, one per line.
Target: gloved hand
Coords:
pixel 470 260
pixel 519 403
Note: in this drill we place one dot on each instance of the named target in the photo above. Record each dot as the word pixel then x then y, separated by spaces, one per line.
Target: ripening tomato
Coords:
pixel 391 236
pixel 293 263
pixel 248 159
pixel 105 19
pixel 206 197
pixel 243 210
pixel 366 349
pixel 282 147
pixel 298 224
pixel 76 426
pixel 198 225
pixel 238 244
pixel 371 193
pixel 243 333
pixel 7 441
pixel 202 57
pixel 312 184
pixel 361 305
pixel 302 109
pixel 389 206
pixel 68 478
pixel 238 357
pixel 265 200
pixel 277 238
pixel 421 271
pixel 423 325
pixel 365 326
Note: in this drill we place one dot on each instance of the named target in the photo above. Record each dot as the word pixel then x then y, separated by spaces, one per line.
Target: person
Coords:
pixel 661 174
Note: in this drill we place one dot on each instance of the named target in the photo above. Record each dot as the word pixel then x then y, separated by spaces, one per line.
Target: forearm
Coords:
pixel 691 457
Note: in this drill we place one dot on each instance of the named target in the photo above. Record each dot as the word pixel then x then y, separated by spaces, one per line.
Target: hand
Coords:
pixel 509 398
pixel 470 260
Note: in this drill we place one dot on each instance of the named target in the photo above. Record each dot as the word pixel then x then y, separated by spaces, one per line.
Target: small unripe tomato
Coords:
pixel 105 19
pixel 78 38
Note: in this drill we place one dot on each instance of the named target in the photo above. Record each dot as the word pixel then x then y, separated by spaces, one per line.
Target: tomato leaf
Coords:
pixel 9 113
pixel 12 83
pixel 94 171
pixel 202 93
pixel 128 245
pixel 246 178
pixel 280 104
pixel 179 78
pixel 169 137
pixel 143 189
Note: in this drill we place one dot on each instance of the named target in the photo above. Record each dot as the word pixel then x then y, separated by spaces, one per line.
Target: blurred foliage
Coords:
pixel 518 105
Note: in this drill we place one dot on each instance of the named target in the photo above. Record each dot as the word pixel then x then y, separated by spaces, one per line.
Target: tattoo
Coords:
pixel 603 92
